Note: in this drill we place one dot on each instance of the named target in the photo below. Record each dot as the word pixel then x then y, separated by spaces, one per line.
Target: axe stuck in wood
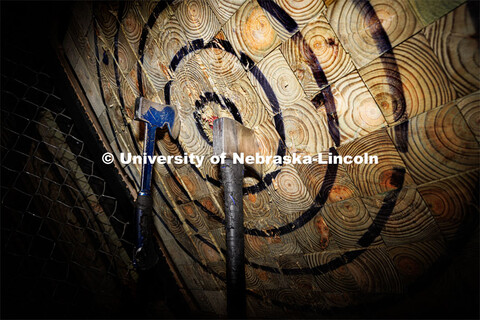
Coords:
pixel 229 138
pixel 155 116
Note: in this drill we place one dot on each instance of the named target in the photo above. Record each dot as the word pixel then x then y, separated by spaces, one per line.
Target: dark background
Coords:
pixel 37 280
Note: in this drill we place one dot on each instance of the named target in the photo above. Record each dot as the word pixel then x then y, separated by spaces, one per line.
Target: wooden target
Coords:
pixel 395 79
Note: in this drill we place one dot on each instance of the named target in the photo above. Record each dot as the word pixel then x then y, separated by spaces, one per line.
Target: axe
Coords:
pixel 155 116
pixel 230 137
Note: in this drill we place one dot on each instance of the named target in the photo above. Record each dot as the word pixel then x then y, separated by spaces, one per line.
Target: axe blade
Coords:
pixel 158 115
pixel 230 136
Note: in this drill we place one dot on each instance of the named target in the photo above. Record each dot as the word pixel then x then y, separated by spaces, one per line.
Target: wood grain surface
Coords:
pixel 396 79
pixel 454 39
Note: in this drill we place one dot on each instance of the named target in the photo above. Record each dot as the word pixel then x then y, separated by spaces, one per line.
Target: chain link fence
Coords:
pixel 66 242
pixel 67 219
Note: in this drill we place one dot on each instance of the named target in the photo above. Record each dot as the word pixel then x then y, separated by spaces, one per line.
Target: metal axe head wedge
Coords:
pixel 158 115
pixel 230 136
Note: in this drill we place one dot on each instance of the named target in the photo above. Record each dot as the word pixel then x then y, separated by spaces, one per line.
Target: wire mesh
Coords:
pixel 66 242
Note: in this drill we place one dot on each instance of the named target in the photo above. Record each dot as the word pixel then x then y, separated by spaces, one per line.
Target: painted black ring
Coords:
pixel 198 44
pixel 330 174
pixel 245 61
pixel 222 101
pixel 204 267
pixel 365 240
pixel 248 64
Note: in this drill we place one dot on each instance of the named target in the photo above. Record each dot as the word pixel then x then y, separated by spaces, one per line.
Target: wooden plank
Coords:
pixel 453 203
pixel 316 44
pixel 249 31
pixel 86 197
pixel 412 76
pixel 372 179
pixel 355 24
pixel 440 144
pixel 85 74
pixel 348 221
pixel 90 111
pixel 469 107
pixel 409 221
pixel 454 40
pixel 197 20
pixel 429 11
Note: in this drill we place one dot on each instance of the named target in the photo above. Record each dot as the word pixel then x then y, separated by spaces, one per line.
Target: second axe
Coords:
pixel 229 137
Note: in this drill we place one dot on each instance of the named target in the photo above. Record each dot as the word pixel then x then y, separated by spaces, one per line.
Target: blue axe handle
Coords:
pixel 155 116
pixel 146 255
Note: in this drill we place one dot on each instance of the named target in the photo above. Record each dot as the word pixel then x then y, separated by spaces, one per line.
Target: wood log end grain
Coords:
pixel 372 179
pixel 455 41
pixel 453 204
pixel 414 259
pixel 409 221
pixel 470 108
pixel 396 18
pixel 349 221
pixel 197 20
pixel 440 144
pixel 429 11
pixel 358 114
pixel 375 272
pixel 408 80
pixel 316 49
pixel 250 31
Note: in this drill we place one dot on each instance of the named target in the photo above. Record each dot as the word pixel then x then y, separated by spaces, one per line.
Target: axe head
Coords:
pixel 230 136
pixel 158 115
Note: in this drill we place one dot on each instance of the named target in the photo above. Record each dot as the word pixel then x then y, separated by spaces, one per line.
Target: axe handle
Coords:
pixel 145 254
pixel 232 176
pixel 148 150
